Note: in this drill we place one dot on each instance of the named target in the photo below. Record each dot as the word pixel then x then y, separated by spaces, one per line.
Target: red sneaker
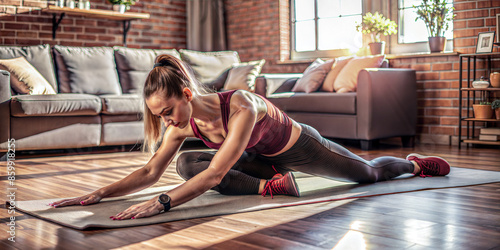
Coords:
pixel 430 165
pixel 280 184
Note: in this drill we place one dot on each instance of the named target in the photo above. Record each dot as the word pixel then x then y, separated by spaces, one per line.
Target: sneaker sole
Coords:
pixel 424 157
pixel 295 186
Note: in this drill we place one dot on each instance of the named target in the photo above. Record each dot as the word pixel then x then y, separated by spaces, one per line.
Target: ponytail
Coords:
pixel 169 77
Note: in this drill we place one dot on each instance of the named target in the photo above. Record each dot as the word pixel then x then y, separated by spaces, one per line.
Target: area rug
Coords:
pixel 313 190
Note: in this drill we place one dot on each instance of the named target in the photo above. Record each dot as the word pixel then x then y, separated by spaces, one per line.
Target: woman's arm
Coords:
pixel 240 127
pixel 151 172
pixel 139 179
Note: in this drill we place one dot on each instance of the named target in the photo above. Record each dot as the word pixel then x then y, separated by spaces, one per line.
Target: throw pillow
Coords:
pixel 340 63
pixel 87 70
pixel 207 66
pixel 39 56
pixel 347 80
pixel 243 75
pixel 24 78
pixel 313 76
pixel 219 82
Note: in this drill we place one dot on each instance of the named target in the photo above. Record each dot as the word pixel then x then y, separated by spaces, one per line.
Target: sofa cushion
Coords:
pixel 24 78
pixel 55 105
pixel 317 102
pixel 88 70
pixel 134 66
pixel 122 104
pixel 243 75
pixel 347 80
pixel 340 63
pixel 313 77
pixel 207 66
pixel 39 56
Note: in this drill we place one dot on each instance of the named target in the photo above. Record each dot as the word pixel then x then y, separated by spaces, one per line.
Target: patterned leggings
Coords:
pixel 311 154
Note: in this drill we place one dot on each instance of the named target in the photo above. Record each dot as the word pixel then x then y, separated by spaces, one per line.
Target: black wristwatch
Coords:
pixel 165 201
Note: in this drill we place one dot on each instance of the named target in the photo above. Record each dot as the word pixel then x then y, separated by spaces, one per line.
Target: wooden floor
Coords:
pixel 453 218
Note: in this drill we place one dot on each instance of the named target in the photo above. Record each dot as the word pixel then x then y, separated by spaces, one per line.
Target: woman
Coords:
pixel 258 147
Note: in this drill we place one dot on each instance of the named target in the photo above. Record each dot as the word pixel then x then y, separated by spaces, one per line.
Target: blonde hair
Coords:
pixel 169 77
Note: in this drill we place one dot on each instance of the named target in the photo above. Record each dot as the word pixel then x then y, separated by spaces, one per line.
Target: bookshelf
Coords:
pixel 94 13
pixel 466 92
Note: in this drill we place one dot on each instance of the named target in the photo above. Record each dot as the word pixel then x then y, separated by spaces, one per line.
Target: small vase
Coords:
pixel 120 8
pixel 60 3
pixel 482 111
pixel 377 48
pixel 437 44
pixel 71 4
pixel 497 113
pixel 495 80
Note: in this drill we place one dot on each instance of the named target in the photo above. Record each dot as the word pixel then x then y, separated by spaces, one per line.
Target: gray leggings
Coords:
pixel 311 154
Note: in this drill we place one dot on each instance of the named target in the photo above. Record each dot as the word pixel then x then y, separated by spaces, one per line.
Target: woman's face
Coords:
pixel 172 111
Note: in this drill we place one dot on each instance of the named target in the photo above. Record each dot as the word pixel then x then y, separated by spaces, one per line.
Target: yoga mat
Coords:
pixel 313 190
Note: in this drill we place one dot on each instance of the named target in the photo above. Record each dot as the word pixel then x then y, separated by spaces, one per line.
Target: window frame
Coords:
pixel 400 48
pixel 302 55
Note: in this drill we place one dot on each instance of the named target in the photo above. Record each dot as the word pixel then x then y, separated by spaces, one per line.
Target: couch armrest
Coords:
pixel 5 91
pixel 386 103
pixel 271 82
pixel 4 109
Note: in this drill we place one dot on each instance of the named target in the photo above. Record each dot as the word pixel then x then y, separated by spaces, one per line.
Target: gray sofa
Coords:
pixel 98 94
pixel 98 100
pixel 384 106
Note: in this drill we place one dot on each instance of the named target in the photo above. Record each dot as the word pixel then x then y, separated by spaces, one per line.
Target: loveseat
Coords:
pixel 94 97
pixel 383 106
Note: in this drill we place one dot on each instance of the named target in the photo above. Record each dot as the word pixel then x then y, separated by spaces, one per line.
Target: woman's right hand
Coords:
pixel 88 199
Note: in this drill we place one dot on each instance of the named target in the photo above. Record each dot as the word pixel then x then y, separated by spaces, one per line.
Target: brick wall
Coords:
pixel 23 22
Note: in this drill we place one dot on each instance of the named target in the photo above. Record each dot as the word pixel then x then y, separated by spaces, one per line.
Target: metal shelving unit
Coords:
pixel 469 119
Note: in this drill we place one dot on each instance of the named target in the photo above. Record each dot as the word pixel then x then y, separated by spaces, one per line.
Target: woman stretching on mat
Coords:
pixel 258 147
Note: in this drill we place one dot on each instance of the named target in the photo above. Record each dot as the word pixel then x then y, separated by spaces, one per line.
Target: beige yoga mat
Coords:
pixel 313 190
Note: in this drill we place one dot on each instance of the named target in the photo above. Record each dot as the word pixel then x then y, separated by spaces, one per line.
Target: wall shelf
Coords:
pixel 94 13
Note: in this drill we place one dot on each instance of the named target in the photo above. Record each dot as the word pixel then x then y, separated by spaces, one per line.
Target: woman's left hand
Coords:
pixel 144 209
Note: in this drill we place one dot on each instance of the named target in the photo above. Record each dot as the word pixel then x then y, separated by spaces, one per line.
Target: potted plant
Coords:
pixel 436 16
pixel 376 25
pixel 482 110
pixel 495 105
pixel 122 5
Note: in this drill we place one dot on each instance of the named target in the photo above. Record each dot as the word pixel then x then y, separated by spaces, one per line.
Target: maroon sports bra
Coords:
pixel 269 135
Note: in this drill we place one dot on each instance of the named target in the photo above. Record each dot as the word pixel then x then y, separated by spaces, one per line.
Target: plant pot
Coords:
pixel 497 113
pixel 377 48
pixel 495 80
pixel 437 44
pixel 120 8
pixel 482 111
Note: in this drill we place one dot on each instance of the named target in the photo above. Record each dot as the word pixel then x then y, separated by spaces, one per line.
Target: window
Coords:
pixel 325 28
pixel 412 35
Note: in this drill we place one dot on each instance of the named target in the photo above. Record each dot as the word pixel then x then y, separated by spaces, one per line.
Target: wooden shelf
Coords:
pixel 480 89
pixel 482 142
pixel 482 55
pixel 480 120
pixel 95 13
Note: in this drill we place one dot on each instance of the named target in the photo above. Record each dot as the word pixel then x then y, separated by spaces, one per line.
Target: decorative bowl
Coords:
pixel 480 84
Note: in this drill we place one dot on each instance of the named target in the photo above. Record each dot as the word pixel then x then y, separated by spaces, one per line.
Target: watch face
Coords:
pixel 164 198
